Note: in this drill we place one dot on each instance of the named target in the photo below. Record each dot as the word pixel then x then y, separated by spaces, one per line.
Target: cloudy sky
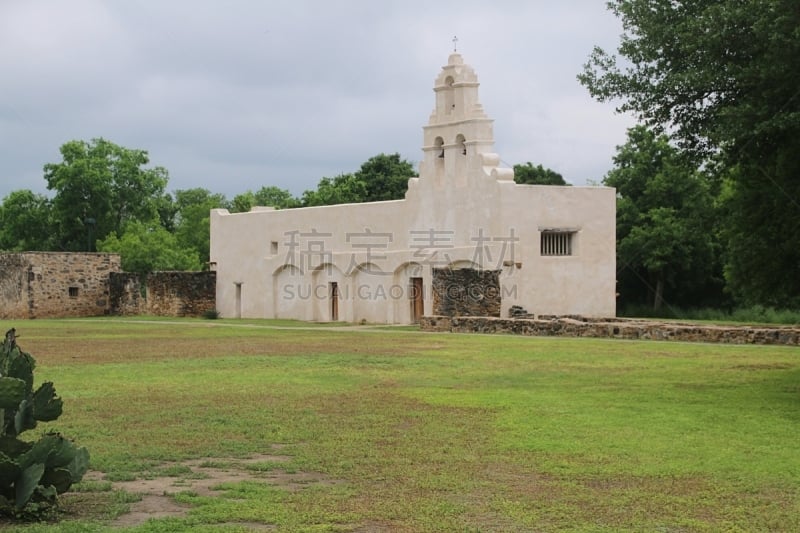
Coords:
pixel 235 95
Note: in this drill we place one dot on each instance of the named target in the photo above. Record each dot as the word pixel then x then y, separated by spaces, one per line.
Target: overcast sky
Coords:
pixel 235 95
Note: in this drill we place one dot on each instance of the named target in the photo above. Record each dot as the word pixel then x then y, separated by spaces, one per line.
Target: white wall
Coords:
pixel 463 209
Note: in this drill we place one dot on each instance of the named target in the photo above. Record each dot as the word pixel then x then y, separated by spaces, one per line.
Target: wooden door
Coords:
pixel 334 292
pixel 417 305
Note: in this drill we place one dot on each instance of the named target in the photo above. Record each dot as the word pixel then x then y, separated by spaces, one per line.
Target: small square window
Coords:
pixel 556 243
pixel 73 292
pixel 273 247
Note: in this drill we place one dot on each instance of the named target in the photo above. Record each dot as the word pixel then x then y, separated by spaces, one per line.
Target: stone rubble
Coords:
pixel 615 328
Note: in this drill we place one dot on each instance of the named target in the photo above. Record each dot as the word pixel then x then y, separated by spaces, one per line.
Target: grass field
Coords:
pixel 411 431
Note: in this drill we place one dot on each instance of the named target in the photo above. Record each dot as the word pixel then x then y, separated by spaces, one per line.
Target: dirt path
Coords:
pixel 204 477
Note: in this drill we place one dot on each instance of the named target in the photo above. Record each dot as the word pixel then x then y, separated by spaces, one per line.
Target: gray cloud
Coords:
pixel 233 96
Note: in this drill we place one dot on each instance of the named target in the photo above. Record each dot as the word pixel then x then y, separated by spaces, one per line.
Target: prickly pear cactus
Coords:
pixel 32 474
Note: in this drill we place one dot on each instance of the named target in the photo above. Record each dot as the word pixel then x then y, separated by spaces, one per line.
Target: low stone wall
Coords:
pixel 163 294
pixel 466 292
pixel 126 296
pixel 75 284
pixel 615 328
pixel 14 288
pixel 181 293
pixel 55 284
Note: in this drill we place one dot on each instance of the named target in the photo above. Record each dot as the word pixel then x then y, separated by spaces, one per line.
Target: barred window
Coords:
pixel 557 242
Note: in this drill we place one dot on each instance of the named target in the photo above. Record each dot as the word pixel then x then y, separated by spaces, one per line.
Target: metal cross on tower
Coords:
pixel 455 43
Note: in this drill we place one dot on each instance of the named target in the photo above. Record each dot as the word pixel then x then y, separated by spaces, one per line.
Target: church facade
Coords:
pixel 551 248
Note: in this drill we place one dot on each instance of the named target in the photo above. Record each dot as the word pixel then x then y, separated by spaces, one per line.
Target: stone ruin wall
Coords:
pixel 466 292
pixel 126 296
pixel 13 286
pixel 74 284
pixel 163 293
pixel 55 284
pixel 468 301
pixel 181 293
pixel 615 328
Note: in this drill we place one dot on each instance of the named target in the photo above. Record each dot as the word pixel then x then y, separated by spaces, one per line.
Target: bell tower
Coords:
pixel 458 132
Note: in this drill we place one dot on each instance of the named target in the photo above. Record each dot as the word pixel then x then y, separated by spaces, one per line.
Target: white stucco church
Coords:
pixel 552 248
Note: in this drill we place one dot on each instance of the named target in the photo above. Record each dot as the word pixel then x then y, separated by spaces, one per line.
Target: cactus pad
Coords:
pixel 31 472
pixel 12 392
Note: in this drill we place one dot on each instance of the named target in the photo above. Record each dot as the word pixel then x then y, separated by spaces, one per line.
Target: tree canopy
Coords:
pixel 385 177
pixel 537 175
pixel 148 248
pixel 193 214
pixel 25 222
pixel 666 243
pixel 343 189
pixel 270 196
pixel 382 177
pixel 723 73
pixel 98 187
pixel 721 77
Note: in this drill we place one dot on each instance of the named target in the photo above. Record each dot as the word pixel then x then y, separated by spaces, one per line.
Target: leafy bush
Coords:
pixel 754 315
pixel 32 473
pixel 211 314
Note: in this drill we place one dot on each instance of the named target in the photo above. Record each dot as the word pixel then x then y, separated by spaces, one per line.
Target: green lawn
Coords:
pixel 429 432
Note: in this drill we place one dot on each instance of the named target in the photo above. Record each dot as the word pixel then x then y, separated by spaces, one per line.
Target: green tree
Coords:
pixel 146 248
pixel 343 189
pixel 721 76
pixel 762 230
pixel 192 227
pixel 666 243
pixel 382 177
pixel 25 222
pixel 537 175
pixel 167 211
pixel 275 197
pixel 242 203
pixel 385 177
pixel 266 196
pixel 99 186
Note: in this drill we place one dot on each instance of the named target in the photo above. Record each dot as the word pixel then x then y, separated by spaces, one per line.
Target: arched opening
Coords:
pixel 291 294
pixel 460 150
pixel 328 292
pixel 238 302
pixel 439 143
pixel 449 100
pixel 461 142
pixel 370 294
pixel 408 293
